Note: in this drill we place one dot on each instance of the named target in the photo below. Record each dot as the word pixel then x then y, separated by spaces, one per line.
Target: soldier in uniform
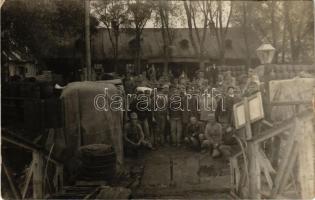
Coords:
pixel 193 130
pixel 201 81
pixel 211 140
pixel 133 136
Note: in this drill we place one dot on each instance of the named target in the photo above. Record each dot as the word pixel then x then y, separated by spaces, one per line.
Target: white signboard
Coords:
pixel 256 111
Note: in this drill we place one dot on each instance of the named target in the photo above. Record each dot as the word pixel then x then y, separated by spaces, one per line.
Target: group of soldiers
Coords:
pixel 205 130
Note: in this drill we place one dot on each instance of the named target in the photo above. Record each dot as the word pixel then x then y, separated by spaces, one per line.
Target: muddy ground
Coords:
pixel 195 175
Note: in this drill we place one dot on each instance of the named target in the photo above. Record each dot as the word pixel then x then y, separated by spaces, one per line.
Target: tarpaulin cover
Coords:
pixel 297 89
pixel 84 124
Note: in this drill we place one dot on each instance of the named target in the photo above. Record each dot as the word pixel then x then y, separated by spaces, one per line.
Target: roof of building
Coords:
pixel 152 44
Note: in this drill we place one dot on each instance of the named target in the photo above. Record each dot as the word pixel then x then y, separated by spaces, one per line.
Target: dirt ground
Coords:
pixel 195 175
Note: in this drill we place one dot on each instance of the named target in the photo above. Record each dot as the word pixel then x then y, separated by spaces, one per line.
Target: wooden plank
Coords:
pixel 265 168
pixel 243 180
pixel 306 159
pixel 247 120
pixel 254 173
pixel 237 175
pixel 232 174
pixel 285 125
pixel 28 180
pixel 290 103
pixel 38 176
pixel 60 176
pixel 11 137
pixel 266 162
pixel 289 170
pixel 283 166
pixel 257 171
pixel 13 185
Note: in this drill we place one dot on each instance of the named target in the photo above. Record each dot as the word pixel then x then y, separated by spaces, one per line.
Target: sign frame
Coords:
pixel 240 112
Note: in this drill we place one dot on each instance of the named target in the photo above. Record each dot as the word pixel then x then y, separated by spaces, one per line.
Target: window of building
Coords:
pixel 184 44
pixel 228 44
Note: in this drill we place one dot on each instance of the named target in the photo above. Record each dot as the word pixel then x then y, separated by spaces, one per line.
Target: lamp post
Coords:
pixel 265 54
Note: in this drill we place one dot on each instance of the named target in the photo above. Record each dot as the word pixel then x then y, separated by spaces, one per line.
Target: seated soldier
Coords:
pixel 212 138
pixel 133 136
pixel 194 129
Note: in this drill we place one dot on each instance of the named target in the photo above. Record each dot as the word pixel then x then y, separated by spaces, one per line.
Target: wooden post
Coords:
pixel 283 165
pixel 38 176
pixel 28 180
pixel 60 177
pixel 252 150
pixel 12 184
pixel 306 158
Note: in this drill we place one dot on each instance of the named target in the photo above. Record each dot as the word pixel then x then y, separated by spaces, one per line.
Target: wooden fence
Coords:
pixel 42 164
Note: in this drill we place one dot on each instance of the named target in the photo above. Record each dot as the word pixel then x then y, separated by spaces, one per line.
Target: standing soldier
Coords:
pixel 175 116
pixel 201 81
pixel 161 115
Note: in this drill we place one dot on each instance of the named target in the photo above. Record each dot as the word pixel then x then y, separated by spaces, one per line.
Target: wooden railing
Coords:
pixel 38 169
pixel 259 177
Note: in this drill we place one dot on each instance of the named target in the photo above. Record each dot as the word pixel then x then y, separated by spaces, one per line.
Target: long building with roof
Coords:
pixel 183 56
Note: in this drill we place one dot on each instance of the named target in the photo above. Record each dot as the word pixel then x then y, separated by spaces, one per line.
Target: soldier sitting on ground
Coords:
pixel 133 136
pixel 212 137
pixel 194 129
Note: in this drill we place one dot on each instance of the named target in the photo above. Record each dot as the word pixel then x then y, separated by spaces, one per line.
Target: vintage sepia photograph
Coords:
pixel 157 99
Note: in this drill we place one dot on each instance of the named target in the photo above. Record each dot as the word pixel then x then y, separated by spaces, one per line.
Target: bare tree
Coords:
pixel 242 17
pixel 300 24
pixel 112 13
pixel 197 11
pixel 164 13
pixel 139 12
pixel 217 14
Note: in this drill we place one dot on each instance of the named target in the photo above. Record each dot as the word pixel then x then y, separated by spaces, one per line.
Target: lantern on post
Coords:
pixel 265 53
